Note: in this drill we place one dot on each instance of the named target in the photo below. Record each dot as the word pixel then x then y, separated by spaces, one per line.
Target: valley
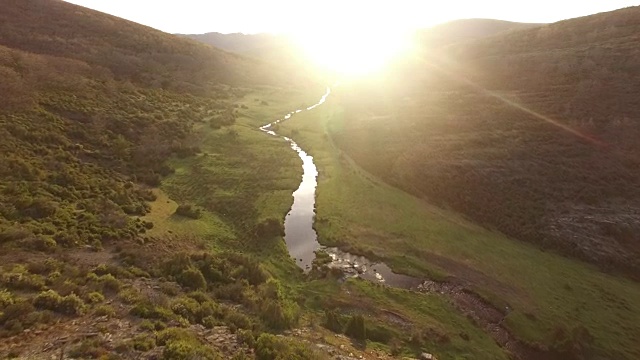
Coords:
pixel 163 198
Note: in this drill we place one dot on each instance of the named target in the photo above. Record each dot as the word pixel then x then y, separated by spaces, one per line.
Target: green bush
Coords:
pixel 333 321
pixel 6 299
pixel 192 279
pixel 269 228
pixel 187 350
pixel 95 297
pixel 144 342
pixel 146 310
pixel 105 310
pixel 130 295
pixel 246 337
pixel 188 210
pixel 49 300
pixel 69 305
pixel 187 308
pixel 356 328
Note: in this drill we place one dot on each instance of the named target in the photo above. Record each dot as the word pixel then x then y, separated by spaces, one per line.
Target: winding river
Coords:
pixel 300 236
pixel 302 242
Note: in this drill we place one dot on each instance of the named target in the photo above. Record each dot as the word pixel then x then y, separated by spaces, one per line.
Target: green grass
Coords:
pixel 241 177
pixel 444 329
pixel 545 290
pixel 263 171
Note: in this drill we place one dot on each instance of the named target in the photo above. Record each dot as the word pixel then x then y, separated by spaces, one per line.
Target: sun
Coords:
pixel 354 50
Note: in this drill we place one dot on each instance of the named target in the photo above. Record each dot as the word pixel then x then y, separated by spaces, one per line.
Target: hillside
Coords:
pixel 246 44
pixel 530 132
pixel 468 29
pixel 93 111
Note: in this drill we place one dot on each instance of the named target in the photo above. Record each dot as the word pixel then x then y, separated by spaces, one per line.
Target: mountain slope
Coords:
pixel 92 108
pixel 127 50
pixel 247 44
pixel 531 132
pixel 468 29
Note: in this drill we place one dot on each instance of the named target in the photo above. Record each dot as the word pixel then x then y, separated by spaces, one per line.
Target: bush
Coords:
pixel 72 305
pixel 88 349
pixel 6 299
pixel 68 305
pixel 95 297
pixel 110 283
pixel 17 311
pixel 192 279
pixel 105 310
pixel 332 321
pixel 356 328
pixel 238 320
pixel 187 308
pixel 144 342
pixel 19 279
pixel 130 296
pixel 186 350
pixel 246 337
pixel 49 300
pixel 269 347
pixel 188 210
pixel 147 310
pixel 269 228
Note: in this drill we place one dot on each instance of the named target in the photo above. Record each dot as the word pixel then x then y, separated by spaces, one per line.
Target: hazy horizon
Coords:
pixel 287 16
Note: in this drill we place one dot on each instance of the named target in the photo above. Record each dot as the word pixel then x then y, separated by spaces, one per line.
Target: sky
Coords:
pixel 289 16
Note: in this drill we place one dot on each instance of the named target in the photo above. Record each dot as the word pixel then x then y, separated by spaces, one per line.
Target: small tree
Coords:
pixel 332 321
pixel 356 328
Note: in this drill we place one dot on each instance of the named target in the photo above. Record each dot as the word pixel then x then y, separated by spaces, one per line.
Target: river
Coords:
pixel 300 235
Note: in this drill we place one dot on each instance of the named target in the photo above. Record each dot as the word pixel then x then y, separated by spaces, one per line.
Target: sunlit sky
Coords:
pixel 285 16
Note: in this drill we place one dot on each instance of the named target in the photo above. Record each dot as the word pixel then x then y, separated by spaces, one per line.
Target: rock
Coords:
pixel 427 356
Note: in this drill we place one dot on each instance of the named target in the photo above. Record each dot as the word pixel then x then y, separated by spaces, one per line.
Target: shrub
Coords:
pixel 95 297
pixel 380 333
pixel 147 325
pixel 356 328
pixel 238 320
pixel 332 321
pixel 72 305
pixel 49 300
pixel 6 299
pixel 110 283
pixel 269 228
pixel 147 310
pixel 144 342
pixel 187 308
pixel 130 296
pixel 105 310
pixel 192 279
pixel 173 334
pixel 88 349
pixel 188 210
pixel 269 347
pixel 20 279
pixel 185 350
pixel 246 337
pixel 15 312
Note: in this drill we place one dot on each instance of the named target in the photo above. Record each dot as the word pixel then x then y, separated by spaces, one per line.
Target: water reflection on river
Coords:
pixel 301 237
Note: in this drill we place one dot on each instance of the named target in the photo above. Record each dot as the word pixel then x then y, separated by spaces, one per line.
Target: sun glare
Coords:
pixel 358 49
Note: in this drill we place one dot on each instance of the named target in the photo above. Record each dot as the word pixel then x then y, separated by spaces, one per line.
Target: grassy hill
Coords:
pixel 530 132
